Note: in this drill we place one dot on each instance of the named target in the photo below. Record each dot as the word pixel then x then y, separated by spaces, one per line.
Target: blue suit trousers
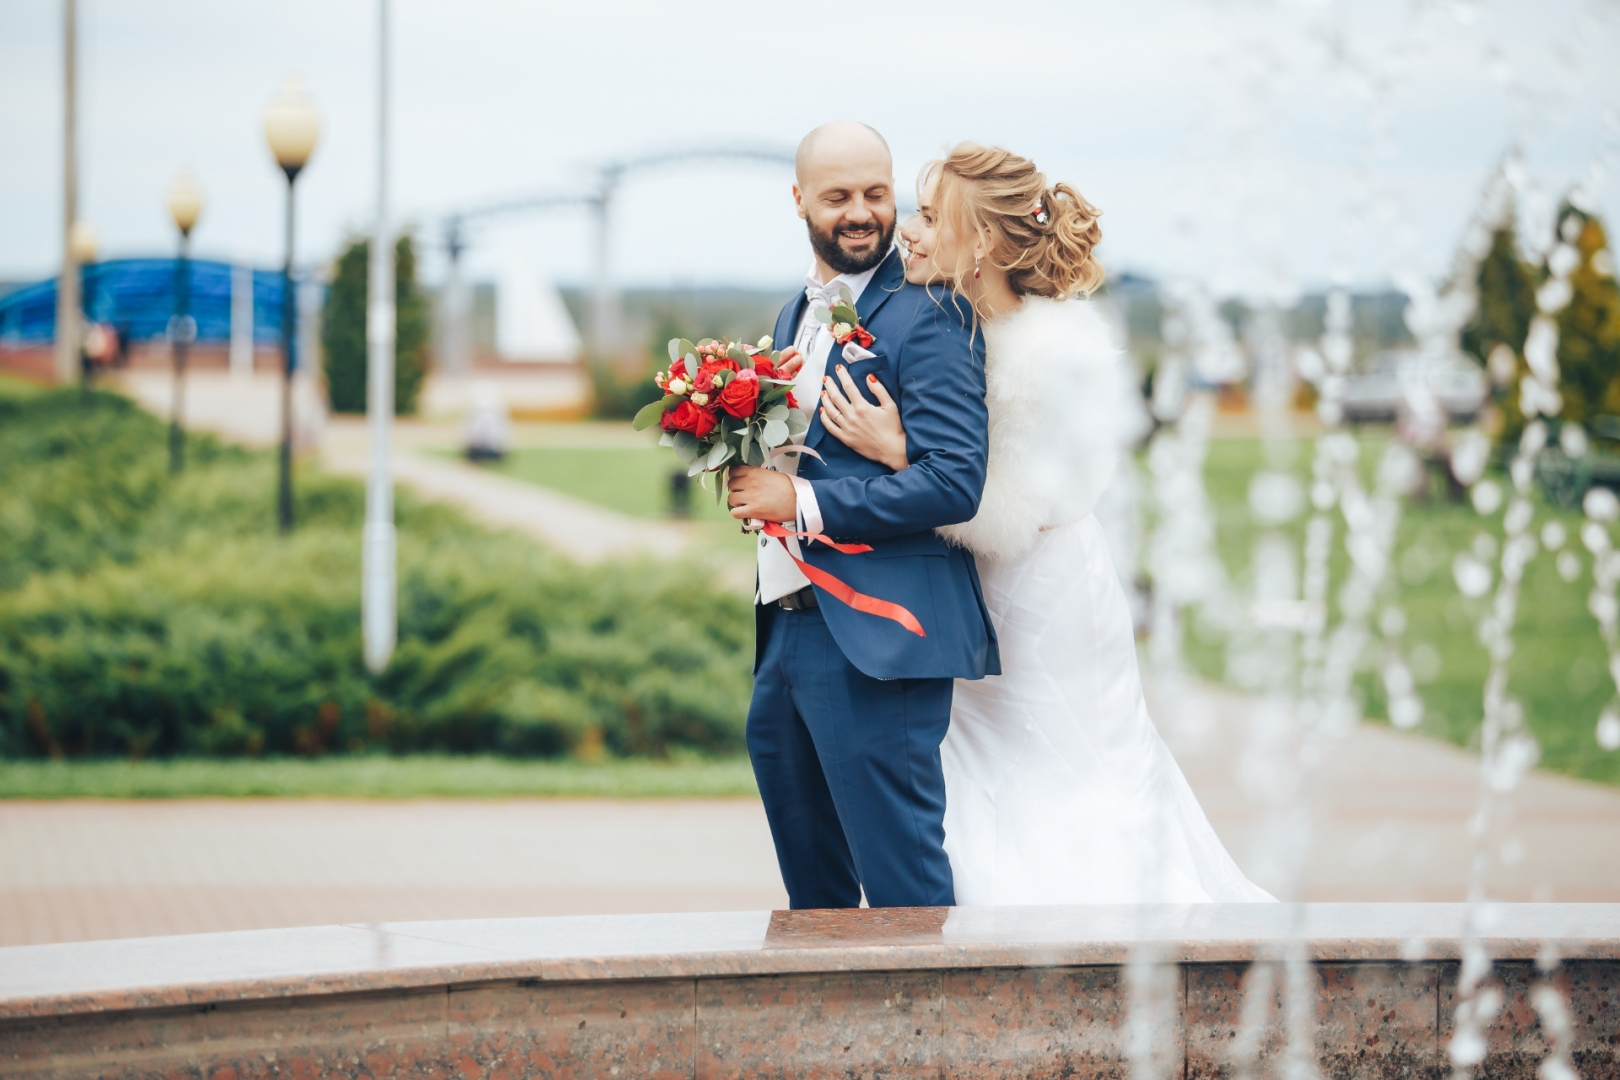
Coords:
pixel 849 769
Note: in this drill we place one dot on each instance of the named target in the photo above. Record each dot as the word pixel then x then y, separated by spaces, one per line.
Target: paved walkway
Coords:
pixel 1391 814
pixel 584 530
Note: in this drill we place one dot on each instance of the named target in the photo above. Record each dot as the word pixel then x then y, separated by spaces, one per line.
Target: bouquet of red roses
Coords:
pixel 724 404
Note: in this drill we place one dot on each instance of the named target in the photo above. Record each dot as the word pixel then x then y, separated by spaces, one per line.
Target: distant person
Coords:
pixel 1058 788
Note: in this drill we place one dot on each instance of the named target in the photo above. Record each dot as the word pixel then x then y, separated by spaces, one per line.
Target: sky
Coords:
pixel 1258 147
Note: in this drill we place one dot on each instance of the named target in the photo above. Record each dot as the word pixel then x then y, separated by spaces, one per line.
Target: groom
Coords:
pixel 849 708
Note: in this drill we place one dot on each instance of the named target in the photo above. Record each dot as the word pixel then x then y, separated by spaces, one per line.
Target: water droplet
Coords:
pixel 1572 440
pixel 1608 730
pixel 1487 496
pixel 1275 498
pixel 1469 455
pixel 1473 577
pixel 1405 712
pixel 1601 505
pixel 1424 662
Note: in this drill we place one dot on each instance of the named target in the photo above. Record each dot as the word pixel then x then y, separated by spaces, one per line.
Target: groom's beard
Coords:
pixel 827 248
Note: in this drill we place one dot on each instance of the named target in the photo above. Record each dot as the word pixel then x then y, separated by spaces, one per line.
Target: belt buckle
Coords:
pixel 803 600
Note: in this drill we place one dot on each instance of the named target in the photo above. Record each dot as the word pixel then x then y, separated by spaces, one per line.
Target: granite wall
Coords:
pixel 1372 1019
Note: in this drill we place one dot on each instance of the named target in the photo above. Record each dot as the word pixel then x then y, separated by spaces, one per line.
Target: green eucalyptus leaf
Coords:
pixel 822 313
pixel 705 342
pixel 667 439
pixel 647 415
pixel 775 433
pixel 684 348
pixel 796 421
pixel 736 353
pixel 698 466
pixel 777 412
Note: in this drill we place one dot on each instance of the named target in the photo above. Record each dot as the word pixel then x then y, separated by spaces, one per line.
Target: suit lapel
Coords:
pixel 787 323
pixel 890 276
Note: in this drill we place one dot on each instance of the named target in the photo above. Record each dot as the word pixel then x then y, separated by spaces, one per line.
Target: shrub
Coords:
pixel 148 617
pixel 343 329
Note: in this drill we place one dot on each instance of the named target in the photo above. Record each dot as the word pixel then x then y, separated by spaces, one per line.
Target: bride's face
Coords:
pixel 931 251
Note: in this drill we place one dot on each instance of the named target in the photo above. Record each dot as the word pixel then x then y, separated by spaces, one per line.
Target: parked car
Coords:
pixel 1394 382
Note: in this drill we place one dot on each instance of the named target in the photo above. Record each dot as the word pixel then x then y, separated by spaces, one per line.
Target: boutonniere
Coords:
pixel 844 321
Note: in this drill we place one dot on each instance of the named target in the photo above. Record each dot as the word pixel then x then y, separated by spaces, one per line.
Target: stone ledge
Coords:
pixel 900 993
pixel 200 969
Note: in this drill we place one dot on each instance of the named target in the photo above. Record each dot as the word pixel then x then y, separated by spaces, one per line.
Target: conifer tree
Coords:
pixel 1506 291
pixel 343 329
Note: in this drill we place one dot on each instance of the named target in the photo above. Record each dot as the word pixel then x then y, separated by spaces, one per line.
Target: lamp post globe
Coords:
pixel 185 207
pixel 82 240
pixel 185 203
pixel 291 128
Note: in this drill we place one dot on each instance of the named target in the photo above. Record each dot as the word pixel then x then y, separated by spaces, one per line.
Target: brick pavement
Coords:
pixel 1391 824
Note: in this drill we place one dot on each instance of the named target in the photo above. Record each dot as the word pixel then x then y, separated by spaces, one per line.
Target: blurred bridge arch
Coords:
pixel 597 198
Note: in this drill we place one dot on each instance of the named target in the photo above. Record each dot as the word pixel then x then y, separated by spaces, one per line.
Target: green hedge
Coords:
pixel 141 616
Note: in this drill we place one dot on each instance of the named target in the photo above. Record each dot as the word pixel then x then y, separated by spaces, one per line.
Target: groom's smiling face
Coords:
pixel 845 193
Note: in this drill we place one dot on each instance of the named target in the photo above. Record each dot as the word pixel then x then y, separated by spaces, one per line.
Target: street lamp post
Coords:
pixel 291 127
pixel 185 207
pixel 82 248
pixel 378 579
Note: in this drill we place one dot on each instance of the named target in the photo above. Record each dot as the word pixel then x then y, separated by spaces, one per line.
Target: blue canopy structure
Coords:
pixel 137 296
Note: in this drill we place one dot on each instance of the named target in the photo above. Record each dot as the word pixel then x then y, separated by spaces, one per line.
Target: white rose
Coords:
pixel 677 386
pixel 839 329
pixel 700 399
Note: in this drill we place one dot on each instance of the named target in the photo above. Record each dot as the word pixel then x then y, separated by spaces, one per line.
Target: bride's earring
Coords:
pixel 975 268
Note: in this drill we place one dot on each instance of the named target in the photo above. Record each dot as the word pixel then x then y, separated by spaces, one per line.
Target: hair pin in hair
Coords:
pixel 1040 213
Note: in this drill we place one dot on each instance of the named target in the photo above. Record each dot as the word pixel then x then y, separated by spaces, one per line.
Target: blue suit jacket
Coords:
pixel 933 367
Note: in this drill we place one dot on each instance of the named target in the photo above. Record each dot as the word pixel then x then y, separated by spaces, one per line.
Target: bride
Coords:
pixel 1059 789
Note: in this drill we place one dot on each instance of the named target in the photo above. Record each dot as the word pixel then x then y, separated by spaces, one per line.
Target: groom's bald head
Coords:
pixel 845 192
pixel 841 141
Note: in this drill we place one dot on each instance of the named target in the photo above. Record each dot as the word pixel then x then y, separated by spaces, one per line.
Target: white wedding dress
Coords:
pixel 1059 789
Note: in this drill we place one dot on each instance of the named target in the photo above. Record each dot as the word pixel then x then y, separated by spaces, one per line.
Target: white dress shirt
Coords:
pixel 777 575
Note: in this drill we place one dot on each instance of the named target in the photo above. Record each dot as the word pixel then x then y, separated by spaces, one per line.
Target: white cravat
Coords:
pixel 777 575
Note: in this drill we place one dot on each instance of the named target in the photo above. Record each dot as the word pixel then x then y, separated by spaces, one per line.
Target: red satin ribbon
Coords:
pixel 859 601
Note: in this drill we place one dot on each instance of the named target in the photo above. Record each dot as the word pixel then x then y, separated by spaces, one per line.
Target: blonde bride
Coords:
pixel 1059 789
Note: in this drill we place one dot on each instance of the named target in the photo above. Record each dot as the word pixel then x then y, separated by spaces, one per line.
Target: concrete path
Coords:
pixel 583 530
pixel 1391 824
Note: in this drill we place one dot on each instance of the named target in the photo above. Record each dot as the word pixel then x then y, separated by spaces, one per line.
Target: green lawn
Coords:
pixel 630 479
pixel 377 777
pixel 1559 669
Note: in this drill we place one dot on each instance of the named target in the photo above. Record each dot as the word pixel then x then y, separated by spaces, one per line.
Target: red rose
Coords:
pixel 678 368
pixel 862 337
pixel 704 381
pixel 740 395
pixel 763 368
pixel 667 420
pixel 691 418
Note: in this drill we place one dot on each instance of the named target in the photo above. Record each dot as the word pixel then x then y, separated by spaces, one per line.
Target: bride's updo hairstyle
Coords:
pixel 1041 236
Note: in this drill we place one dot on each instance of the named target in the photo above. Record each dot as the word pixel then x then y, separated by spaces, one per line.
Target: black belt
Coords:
pixel 803 600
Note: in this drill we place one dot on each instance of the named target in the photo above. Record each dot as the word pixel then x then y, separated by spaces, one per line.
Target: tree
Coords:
pixel 1506 291
pixel 343 329
pixel 1589 325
